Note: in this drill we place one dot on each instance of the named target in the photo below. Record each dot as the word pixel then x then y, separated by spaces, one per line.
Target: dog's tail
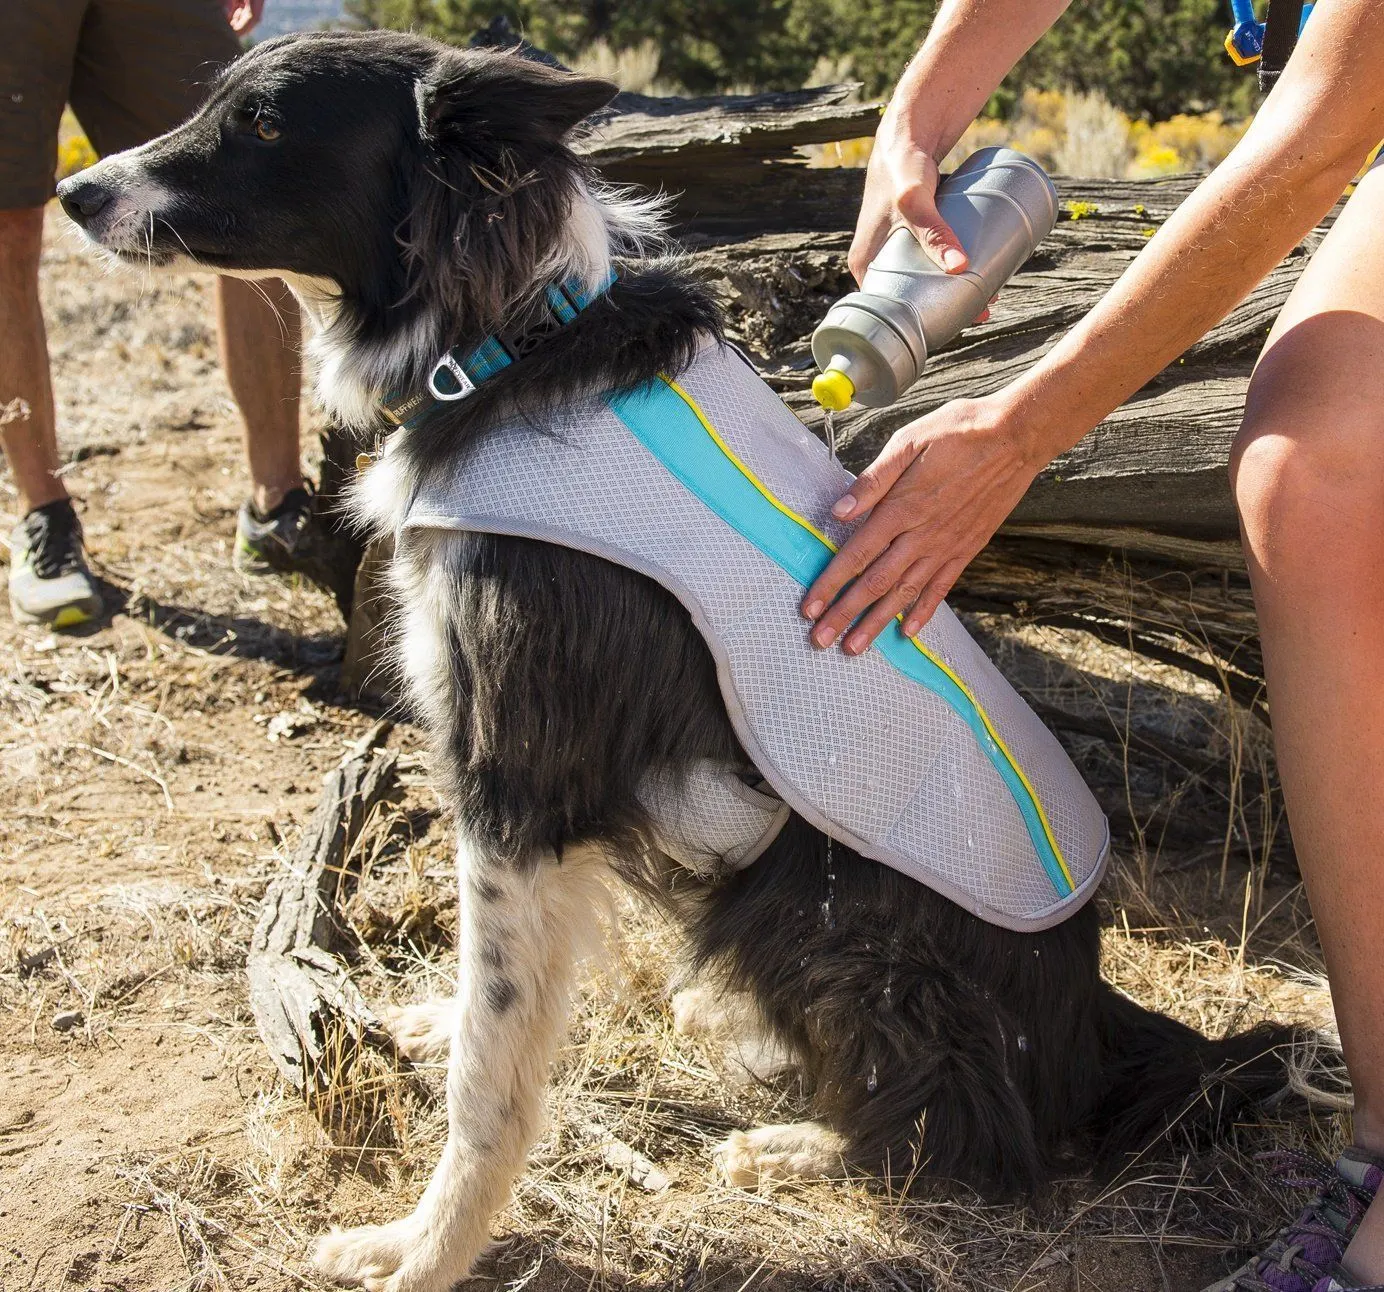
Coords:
pixel 1161 1077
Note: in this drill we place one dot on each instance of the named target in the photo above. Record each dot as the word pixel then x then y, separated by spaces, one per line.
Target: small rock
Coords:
pixel 66 1019
pixel 290 723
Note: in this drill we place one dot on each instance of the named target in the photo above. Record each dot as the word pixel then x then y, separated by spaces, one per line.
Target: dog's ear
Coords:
pixel 492 196
pixel 507 95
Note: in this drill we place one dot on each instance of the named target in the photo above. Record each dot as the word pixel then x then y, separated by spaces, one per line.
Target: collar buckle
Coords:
pixel 464 385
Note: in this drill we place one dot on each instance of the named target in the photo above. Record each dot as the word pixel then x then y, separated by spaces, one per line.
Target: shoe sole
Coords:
pixel 71 616
pixel 250 560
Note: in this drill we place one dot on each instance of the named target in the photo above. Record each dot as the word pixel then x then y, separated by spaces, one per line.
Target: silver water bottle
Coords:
pixel 873 344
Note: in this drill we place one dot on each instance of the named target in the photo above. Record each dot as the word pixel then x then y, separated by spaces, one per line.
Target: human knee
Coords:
pixel 1306 463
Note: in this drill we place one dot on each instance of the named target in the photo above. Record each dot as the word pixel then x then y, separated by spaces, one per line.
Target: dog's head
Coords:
pixel 392 172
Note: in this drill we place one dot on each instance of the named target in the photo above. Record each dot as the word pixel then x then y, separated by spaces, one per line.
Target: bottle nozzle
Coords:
pixel 833 390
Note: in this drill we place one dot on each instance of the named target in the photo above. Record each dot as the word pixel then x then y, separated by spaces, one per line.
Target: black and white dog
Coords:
pixel 417 198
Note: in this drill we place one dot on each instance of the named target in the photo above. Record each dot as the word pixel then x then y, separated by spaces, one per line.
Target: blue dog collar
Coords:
pixel 457 374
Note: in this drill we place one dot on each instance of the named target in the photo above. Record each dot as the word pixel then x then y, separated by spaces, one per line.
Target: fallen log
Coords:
pixel 1152 474
pixel 1132 535
pixel 732 165
pixel 307 1011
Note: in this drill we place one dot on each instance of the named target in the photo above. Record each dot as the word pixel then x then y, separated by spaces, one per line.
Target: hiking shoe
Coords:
pixel 1305 1256
pixel 270 542
pixel 49 579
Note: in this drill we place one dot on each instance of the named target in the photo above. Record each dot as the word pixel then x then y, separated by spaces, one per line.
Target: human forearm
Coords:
pixel 1199 266
pixel 969 50
pixel 1283 177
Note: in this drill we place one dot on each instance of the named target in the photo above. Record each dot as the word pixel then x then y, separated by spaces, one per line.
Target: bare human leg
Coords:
pixel 26 389
pixel 1308 474
pixel 260 334
pixel 48 580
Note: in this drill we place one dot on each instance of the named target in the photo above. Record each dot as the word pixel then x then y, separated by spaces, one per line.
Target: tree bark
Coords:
pixel 306 1008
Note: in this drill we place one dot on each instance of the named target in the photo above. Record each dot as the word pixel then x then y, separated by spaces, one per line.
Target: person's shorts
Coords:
pixel 131 69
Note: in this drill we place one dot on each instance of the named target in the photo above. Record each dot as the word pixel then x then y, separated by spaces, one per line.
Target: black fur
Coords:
pixel 428 184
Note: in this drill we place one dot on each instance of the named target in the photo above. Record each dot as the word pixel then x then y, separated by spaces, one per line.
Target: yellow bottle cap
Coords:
pixel 833 390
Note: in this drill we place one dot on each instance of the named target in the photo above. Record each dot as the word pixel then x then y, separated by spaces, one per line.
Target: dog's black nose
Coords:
pixel 82 199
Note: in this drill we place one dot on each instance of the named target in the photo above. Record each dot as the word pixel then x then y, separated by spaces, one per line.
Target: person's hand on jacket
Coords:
pixel 931 500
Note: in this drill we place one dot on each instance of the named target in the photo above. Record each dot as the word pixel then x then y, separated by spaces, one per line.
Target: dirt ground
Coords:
pixel 157 771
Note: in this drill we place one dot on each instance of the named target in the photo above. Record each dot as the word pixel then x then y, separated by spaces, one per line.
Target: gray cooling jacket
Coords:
pixel 918 753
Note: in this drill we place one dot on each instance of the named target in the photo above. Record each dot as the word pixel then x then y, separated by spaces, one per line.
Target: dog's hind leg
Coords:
pixel 768 1155
pixel 731 1020
pixel 521 930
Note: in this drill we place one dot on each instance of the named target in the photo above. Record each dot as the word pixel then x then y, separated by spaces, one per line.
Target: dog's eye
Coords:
pixel 266 131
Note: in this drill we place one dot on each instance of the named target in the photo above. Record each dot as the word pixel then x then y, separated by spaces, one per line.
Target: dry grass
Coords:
pixel 626 1080
pixel 1095 138
pixel 1080 135
pixel 634 69
pixel 241 1202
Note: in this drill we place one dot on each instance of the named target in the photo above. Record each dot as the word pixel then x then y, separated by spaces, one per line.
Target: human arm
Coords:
pixel 945 483
pixel 969 50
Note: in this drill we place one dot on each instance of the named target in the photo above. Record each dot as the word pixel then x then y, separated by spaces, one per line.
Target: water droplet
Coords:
pixel 1023 1043
pixel 970 841
pixel 872 1084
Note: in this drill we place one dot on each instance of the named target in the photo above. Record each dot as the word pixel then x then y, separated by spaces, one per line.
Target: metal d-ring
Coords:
pixel 464 383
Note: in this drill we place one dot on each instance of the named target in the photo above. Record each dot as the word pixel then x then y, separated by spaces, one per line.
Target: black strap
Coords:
pixel 1281 26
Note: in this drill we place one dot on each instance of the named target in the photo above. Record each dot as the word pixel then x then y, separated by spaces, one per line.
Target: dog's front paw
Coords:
pixel 769 1155
pixel 423 1033
pixel 399 1257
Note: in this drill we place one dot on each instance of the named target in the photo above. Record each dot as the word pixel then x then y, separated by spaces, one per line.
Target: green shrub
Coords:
pixel 1151 59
